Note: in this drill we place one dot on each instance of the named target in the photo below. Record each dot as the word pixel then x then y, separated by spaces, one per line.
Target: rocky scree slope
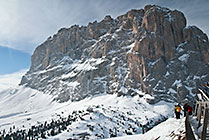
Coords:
pixel 150 50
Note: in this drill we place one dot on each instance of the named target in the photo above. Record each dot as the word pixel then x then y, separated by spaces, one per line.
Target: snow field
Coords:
pixel 109 115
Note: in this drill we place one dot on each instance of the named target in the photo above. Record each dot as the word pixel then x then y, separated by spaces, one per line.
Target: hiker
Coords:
pixel 189 110
pixel 177 111
pixel 185 109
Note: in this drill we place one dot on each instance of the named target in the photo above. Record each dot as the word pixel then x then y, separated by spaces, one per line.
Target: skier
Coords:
pixel 177 111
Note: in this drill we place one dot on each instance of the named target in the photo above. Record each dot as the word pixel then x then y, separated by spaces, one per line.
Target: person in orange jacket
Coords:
pixel 177 110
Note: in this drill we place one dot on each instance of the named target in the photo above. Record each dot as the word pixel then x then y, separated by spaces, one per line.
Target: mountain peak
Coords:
pixel 149 50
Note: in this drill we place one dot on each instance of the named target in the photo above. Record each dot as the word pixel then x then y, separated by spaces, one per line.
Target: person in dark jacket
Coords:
pixel 185 109
pixel 189 110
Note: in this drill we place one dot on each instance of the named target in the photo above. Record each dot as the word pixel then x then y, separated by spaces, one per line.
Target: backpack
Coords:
pixel 189 109
pixel 178 109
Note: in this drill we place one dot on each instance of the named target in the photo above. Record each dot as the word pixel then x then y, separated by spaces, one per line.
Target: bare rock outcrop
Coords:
pixel 150 50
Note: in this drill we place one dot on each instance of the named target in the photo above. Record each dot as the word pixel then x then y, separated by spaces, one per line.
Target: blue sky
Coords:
pixel 13 60
pixel 24 24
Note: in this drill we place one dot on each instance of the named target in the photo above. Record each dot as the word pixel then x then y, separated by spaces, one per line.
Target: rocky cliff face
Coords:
pixel 150 49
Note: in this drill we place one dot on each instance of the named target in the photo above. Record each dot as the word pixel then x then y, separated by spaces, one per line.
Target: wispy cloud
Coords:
pixel 24 24
pixel 11 80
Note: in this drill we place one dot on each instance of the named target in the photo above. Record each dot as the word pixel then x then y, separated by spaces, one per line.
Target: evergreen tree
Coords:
pixel 43 135
pixel 52 132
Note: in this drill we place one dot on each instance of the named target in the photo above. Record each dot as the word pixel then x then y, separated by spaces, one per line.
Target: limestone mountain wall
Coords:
pixel 151 50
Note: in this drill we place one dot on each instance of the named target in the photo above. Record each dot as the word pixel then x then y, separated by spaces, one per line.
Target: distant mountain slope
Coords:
pixel 150 50
pixel 11 80
pixel 12 60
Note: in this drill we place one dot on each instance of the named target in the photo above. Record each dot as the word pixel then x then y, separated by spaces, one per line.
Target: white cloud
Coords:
pixel 24 24
pixel 11 80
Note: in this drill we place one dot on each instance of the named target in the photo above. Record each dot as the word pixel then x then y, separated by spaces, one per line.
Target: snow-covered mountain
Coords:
pixel 150 50
pixel 97 81
pixel 27 112
pixel 11 80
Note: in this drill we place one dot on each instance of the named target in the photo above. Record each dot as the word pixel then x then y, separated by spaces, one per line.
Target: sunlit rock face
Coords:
pixel 150 50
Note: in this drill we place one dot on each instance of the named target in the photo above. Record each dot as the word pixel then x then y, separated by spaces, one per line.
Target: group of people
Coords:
pixel 186 108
